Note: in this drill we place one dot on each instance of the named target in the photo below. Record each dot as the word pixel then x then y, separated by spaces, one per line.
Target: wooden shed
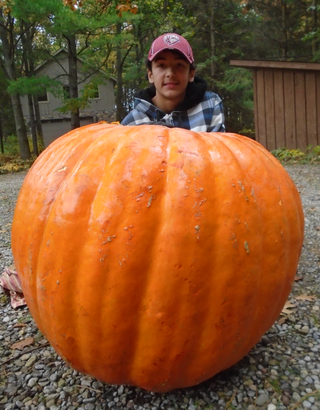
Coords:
pixel 286 103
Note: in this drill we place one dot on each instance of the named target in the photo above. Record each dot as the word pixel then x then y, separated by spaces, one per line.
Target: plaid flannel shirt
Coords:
pixel 206 116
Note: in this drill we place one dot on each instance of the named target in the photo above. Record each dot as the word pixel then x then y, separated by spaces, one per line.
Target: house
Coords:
pixel 55 123
pixel 286 103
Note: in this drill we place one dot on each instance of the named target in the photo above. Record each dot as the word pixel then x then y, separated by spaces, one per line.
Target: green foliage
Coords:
pixel 236 85
pixel 239 80
pixel 35 10
pixel 280 27
pixel 218 30
pixel 35 86
pixel 89 91
pixel 11 145
pixel 10 161
pixel 248 132
pixel 6 113
pixel 316 150
pixel 4 299
pixel 294 156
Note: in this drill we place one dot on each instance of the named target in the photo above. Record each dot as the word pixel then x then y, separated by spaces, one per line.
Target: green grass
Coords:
pixel 275 385
pixel 4 299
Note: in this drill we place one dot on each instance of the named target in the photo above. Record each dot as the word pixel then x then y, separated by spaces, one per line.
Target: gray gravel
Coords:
pixel 281 371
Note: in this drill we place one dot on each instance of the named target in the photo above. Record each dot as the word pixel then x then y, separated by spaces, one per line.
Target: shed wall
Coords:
pixel 287 108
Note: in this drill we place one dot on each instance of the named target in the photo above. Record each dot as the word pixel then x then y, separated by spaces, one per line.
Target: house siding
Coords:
pixel 55 129
pixel 56 123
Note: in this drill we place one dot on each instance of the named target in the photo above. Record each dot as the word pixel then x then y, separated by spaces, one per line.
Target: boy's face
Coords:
pixel 170 73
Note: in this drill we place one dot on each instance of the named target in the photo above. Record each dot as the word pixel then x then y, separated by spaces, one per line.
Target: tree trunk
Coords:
pixel 36 126
pixel 165 8
pixel 1 135
pixel 8 50
pixel 26 40
pixel 73 78
pixel 21 128
pixel 314 25
pixel 119 113
pixel 33 126
pixel 38 122
pixel 212 39
pixel 284 31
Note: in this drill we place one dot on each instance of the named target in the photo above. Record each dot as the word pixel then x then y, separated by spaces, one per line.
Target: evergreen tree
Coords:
pixel 9 36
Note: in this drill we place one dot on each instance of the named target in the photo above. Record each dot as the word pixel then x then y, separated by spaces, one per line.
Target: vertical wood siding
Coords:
pixel 287 108
pixel 290 135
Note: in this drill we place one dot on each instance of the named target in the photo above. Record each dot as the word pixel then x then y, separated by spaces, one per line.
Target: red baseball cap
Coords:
pixel 171 41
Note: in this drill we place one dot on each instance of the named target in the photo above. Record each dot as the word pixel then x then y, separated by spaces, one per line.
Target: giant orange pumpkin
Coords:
pixel 152 256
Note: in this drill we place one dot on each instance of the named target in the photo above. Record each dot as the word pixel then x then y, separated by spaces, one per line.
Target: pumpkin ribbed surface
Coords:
pixel 156 257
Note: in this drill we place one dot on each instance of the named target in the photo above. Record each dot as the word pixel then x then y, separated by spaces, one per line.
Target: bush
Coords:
pixel 296 156
pixel 13 163
pixel 248 132
pixel 10 160
pixel 11 145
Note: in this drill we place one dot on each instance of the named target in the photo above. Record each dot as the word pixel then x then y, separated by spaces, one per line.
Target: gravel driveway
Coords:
pixel 280 372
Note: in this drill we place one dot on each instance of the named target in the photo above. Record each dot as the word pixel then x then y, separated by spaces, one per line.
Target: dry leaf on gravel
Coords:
pixel 286 309
pixel 305 297
pixel 282 320
pixel 23 343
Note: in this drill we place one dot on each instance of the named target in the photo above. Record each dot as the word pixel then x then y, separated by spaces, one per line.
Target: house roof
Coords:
pixel 63 51
pixel 288 65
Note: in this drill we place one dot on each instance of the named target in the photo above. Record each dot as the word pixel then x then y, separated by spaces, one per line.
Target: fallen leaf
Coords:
pixel 286 309
pixel 305 297
pixel 20 325
pixel 282 320
pixel 23 343
pixel 298 278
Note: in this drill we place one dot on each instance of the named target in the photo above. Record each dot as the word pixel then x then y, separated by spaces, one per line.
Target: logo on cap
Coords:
pixel 171 39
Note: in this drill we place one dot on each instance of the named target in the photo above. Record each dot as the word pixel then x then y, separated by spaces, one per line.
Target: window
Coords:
pixel 43 97
pixel 95 93
pixel 66 90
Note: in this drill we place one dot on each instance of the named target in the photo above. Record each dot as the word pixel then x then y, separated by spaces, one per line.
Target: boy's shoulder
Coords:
pixel 211 98
pixel 143 111
pixel 134 117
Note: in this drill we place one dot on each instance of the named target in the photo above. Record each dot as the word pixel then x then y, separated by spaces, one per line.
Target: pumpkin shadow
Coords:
pixel 232 376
